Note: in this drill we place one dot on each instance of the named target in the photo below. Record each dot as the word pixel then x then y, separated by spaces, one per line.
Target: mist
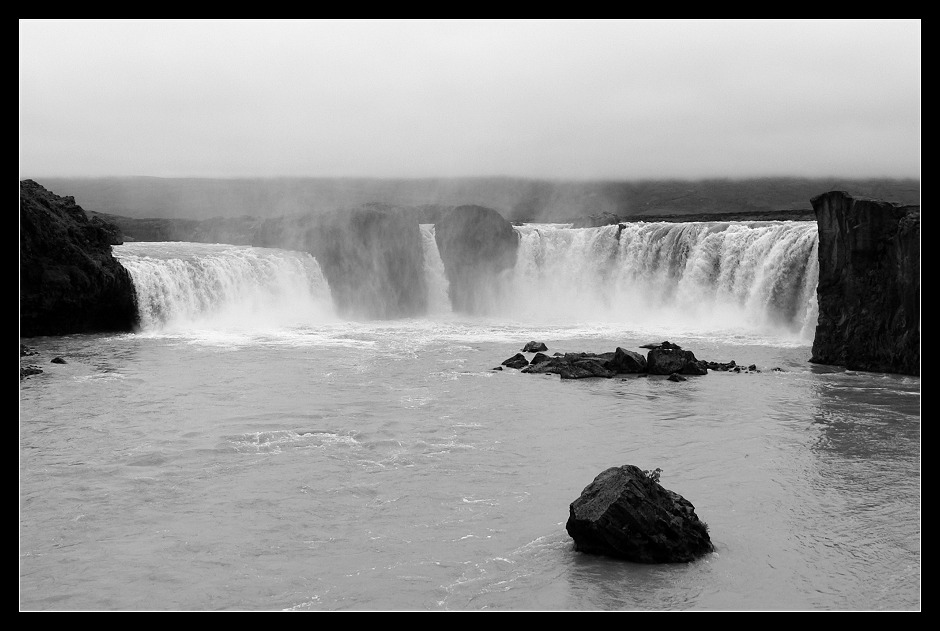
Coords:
pixel 542 99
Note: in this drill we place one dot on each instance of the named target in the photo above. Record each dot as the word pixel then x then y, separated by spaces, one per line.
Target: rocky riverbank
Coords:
pixel 69 281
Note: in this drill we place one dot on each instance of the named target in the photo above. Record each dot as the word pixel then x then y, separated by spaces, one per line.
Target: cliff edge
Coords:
pixel 869 284
pixel 69 280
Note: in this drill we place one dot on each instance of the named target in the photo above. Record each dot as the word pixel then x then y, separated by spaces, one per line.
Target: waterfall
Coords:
pixel 699 275
pixel 691 277
pixel 435 276
pixel 213 286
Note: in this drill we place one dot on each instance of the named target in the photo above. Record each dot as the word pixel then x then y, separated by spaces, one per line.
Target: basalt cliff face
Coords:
pixel 477 245
pixel 69 280
pixel 869 284
pixel 372 259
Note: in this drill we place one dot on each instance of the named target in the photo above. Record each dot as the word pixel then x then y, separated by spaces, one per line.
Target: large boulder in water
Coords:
pixel 625 361
pixel 476 245
pixel 69 280
pixel 869 284
pixel 666 361
pixel 625 513
pixel 516 361
pixel 585 368
pixel 534 347
pixel 373 260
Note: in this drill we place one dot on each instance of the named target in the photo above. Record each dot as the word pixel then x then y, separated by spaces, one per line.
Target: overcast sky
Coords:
pixel 567 99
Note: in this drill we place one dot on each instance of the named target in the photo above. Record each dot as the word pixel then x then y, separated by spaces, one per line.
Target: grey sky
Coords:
pixel 566 99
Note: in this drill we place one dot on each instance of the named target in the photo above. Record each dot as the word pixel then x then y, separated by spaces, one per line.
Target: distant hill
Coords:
pixel 516 199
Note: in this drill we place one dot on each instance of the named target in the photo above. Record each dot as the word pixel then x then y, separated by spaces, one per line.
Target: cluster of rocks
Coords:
pixel 28 369
pixel 663 358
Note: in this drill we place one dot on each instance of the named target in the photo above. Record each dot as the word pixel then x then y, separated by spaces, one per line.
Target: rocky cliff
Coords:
pixel 869 284
pixel 373 260
pixel 69 281
pixel 476 244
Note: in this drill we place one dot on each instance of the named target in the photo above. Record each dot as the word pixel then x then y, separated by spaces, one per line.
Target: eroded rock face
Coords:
pixel 69 280
pixel 372 259
pixel 869 284
pixel 625 513
pixel 476 245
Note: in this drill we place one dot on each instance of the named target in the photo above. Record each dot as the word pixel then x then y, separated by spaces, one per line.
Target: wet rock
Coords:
pixel 28 370
pixel 534 347
pixel 58 360
pixel 664 345
pixel 676 377
pixel 625 361
pixel 719 366
pixel 540 358
pixel 516 361
pixel 585 368
pixel 665 361
pixel 551 366
pixel 627 514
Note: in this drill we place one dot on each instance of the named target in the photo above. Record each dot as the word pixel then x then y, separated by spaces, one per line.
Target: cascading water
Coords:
pixel 198 285
pixel 681 277
pixel 698 276
pixel 435 276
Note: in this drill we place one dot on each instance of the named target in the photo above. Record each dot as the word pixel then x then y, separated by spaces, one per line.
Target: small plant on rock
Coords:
pixel 654 474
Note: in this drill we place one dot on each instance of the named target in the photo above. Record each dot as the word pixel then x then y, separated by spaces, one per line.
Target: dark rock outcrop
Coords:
pixel 373 260
pixel 585 368
pixel 534 347
pixel 625 361
pixel 69 280
pixel 625 513
pixel 540 358
pixel 724 367
pixel 666 361
pixel 665 344
pixel 869 284
pixel 516 361
pixel 542 363
pixel 29 370
pixel 476 245
pixel 662 359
